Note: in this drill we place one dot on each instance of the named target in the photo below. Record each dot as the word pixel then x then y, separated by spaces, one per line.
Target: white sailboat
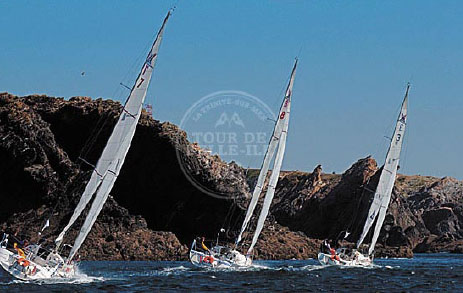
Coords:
pixel 34 262
pixel 382 197
pixel 223 256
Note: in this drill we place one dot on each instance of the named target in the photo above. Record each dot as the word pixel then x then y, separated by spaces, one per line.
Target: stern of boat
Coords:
pixel 201 259
pixel 325 259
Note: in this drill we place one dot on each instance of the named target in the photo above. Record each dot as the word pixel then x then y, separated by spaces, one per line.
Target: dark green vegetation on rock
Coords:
pixel 154 211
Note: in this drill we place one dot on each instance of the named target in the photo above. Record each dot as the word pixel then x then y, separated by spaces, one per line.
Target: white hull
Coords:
pixel 32 266
pixel 358 260
pixel 219 257
pixel 4 256
pixel 32 271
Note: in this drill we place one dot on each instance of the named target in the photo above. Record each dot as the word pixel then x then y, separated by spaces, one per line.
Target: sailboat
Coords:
pixel 34 261
pixel 223 256
pixel 378 208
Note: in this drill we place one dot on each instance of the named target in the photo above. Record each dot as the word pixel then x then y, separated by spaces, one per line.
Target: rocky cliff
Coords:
pixel 47 147
pixel 425 213
pixel 46 158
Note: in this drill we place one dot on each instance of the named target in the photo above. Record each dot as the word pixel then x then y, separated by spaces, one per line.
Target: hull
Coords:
pixel 219 257
pixel 358 259
pixel 33 270
pixel 4 256
pixel 33 267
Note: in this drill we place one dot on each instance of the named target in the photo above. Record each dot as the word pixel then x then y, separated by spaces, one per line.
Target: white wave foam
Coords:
pixel 78 278
pixel 173 269
pixel 312 267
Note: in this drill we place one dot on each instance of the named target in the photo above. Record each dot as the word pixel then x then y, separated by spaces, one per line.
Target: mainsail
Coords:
pixel 113 156
pixel 386 181
pixel 278 138
pixel 279 126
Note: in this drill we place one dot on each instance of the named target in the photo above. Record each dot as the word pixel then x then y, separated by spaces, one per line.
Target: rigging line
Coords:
pixel 137 61
pixel 274 104
pixel 65 190
pixel 230 227
pixel 95 134
pixel 235 223
pixel 130 71
pixel 357 210
pixel 382 146
pixel 88 146
pixel 92 133
pixel 227 215
pixel 91 141
pixel 405 141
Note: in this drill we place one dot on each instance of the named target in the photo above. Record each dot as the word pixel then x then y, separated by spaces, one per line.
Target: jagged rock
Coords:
pixel 332 207
pixel 298 188
pixel 281 243
pixel 420 207
pixel 440 221
pixel 42 139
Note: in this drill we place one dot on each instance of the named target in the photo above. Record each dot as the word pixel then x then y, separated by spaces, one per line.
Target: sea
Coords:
pixel 423 273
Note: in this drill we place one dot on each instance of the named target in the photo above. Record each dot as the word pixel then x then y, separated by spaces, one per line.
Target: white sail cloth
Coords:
pixel 260 182
pixel 387 178
pixel 277 131
pixel 279 125
pixel 278 138
pixel 113 156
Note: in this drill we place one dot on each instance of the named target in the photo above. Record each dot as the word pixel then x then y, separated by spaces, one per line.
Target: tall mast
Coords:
pixel 279 137
pixel 268 157
pixel 387 178
pixel 113 155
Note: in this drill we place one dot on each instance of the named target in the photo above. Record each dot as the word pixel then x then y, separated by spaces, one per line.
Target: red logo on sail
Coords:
pixel 404 118
pixel 286 102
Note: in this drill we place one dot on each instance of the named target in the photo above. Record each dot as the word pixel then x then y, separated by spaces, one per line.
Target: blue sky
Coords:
pixel 355 60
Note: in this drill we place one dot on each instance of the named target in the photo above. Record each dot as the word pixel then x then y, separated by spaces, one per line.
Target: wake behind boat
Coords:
pixel 219 256
pixel 223 255
pixel 353 257
pixel 33 262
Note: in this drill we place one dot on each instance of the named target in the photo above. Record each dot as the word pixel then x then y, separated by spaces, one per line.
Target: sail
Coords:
pixel 260 181
pixel 113 156
pixel 262 175
pixel 387 178
pixel 281 139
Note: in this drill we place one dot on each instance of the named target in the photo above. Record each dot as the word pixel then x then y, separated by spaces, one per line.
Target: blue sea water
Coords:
pixel 425 272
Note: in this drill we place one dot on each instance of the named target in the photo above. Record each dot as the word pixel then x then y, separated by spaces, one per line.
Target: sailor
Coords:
pixel 19 250
pixel 22 261
pixel 334 256
pixel 325 247
pixel 204 245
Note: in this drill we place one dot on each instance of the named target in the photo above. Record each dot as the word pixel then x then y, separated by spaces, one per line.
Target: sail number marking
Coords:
pixel 141 81
pixel 286 101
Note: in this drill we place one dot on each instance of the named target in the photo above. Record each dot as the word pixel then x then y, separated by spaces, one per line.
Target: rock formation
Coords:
pixel 47 147
pixel 425 213
pixel 42 141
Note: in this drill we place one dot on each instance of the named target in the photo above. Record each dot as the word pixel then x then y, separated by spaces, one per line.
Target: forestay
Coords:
pixel 279 137
pixel 113 156
pixel 279 125
pixel 387 178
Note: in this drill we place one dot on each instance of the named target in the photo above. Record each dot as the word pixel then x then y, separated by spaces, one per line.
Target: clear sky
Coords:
pixel 355 60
